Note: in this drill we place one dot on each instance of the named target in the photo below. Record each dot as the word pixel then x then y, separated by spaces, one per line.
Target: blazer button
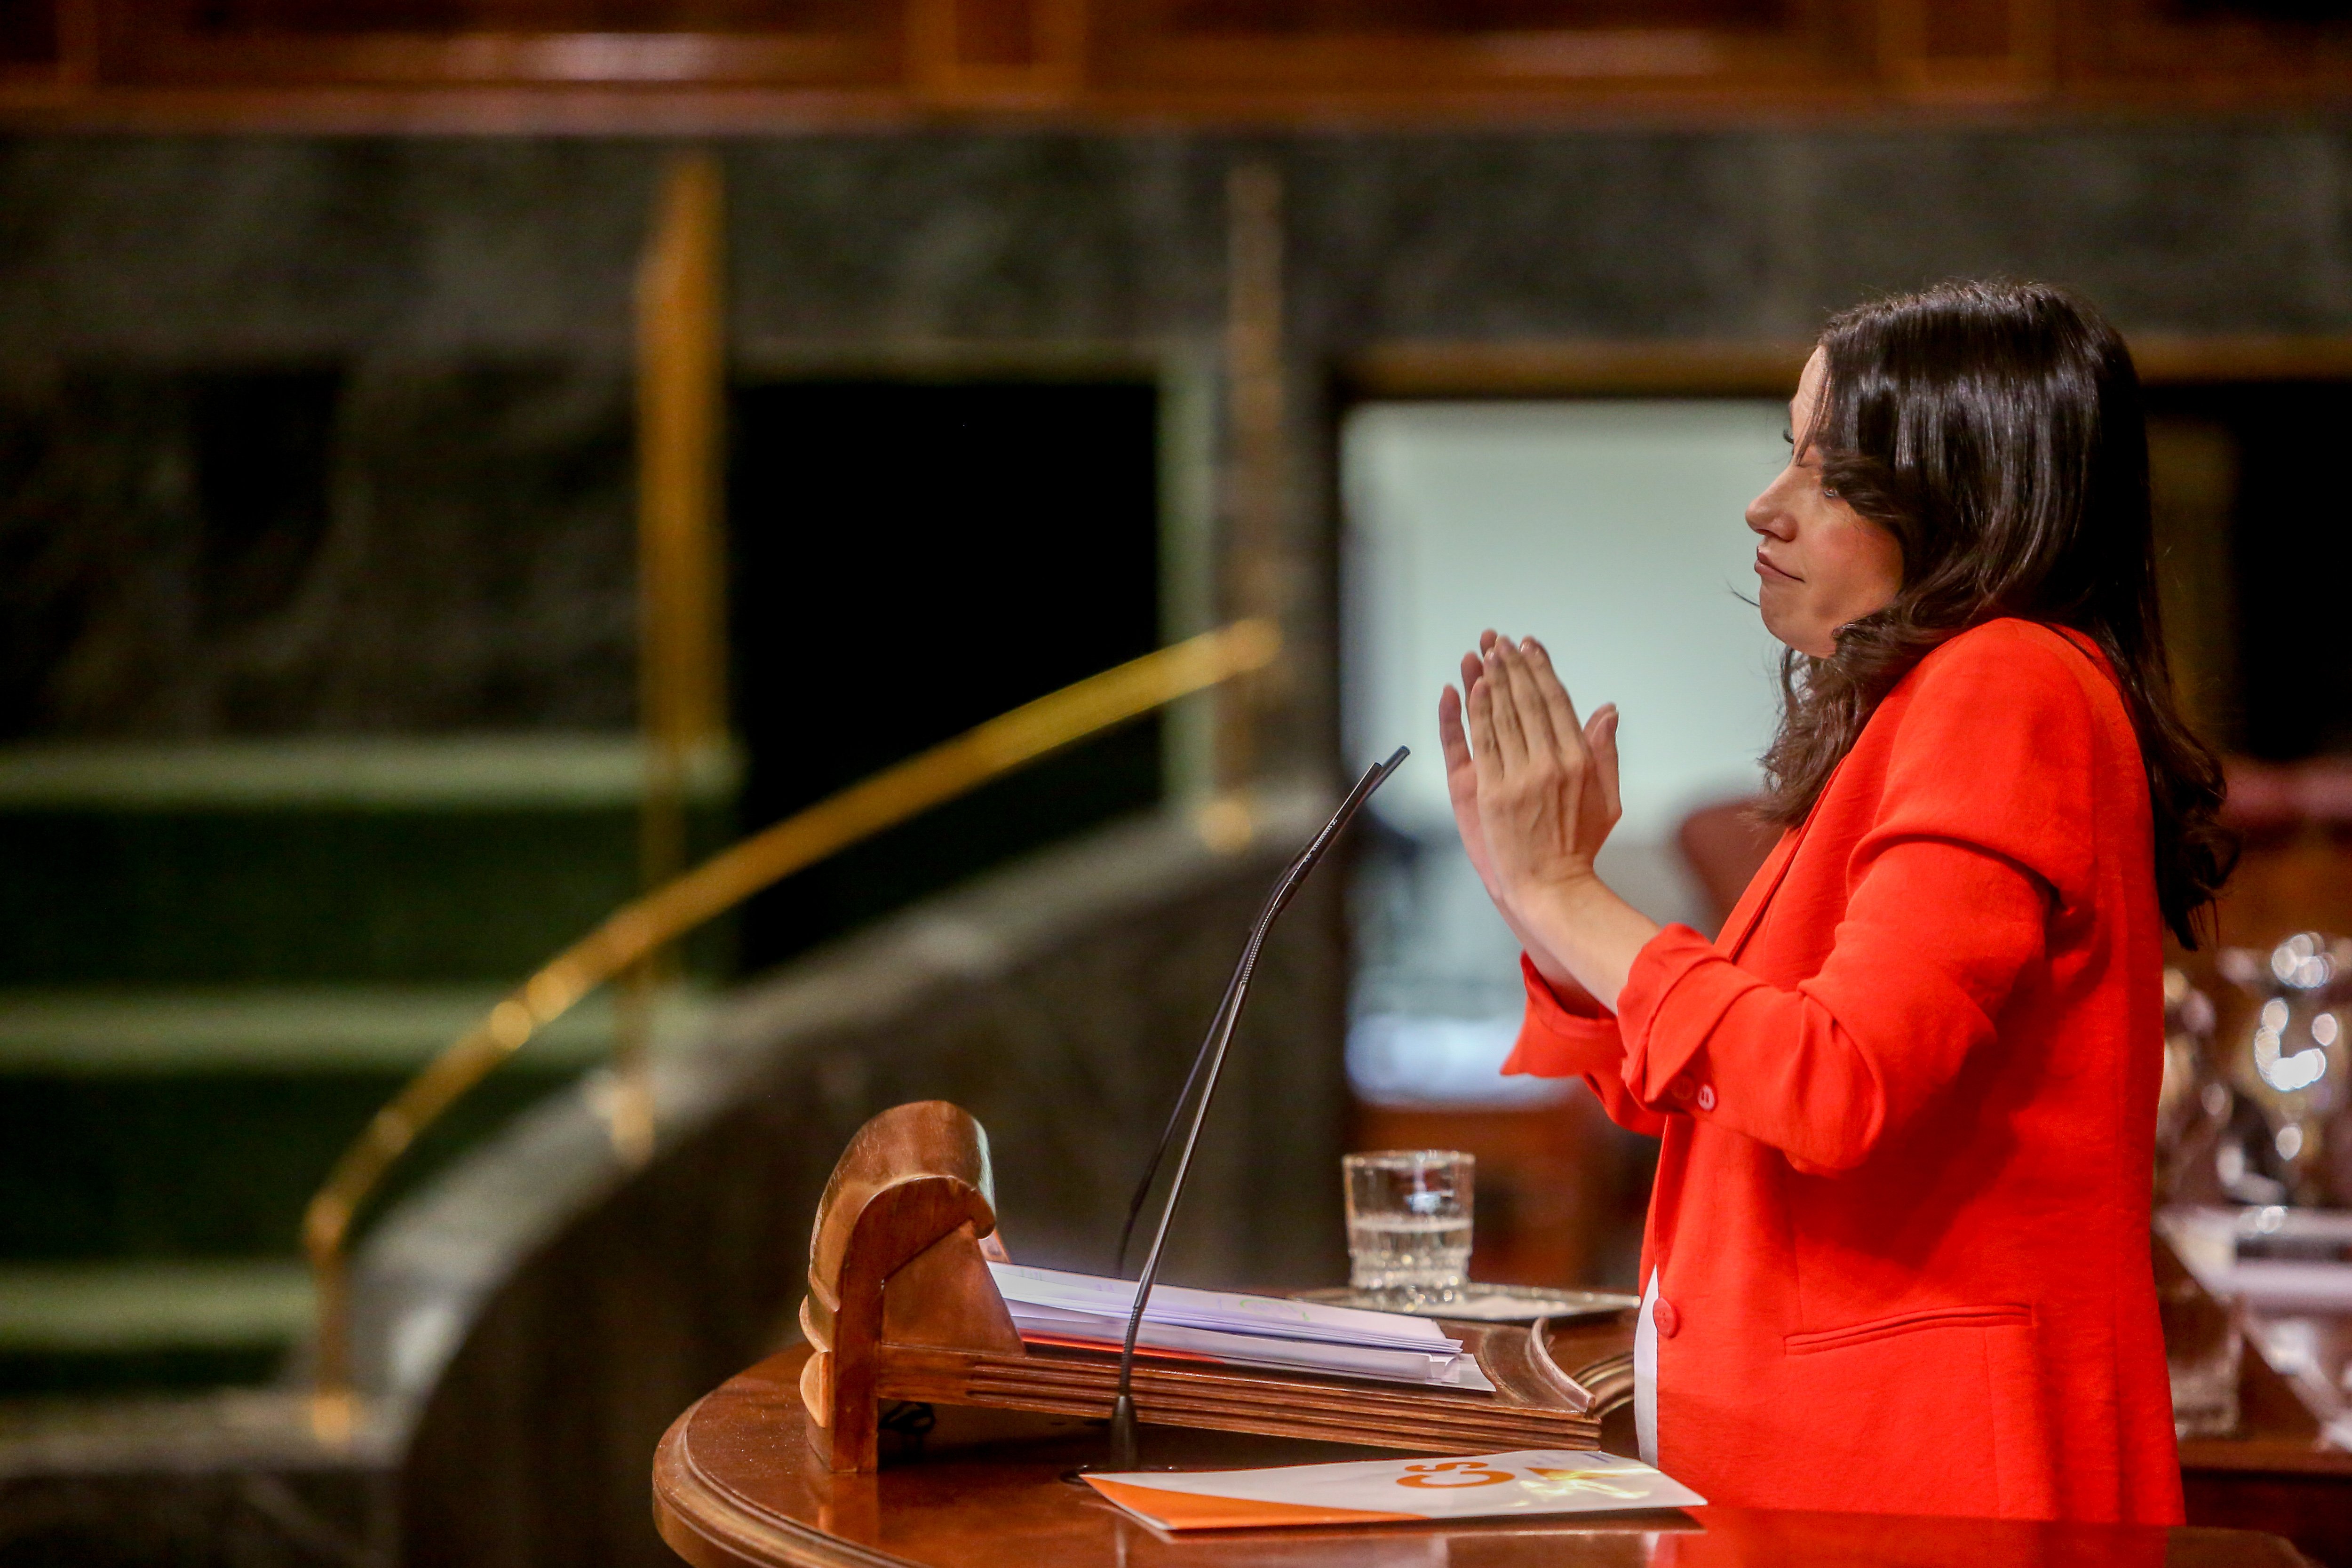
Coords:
pixel 1706 1097
pixel 1669 1323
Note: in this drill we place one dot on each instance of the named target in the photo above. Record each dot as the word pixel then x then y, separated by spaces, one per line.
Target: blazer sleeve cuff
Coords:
pixel 1560 1039
pixel 1679 985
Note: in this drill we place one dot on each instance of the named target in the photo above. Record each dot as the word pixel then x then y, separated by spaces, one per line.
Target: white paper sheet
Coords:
pixel 1256 1331
pixel 1526 1482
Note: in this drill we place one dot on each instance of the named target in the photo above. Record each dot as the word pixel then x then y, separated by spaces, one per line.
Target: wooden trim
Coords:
pixel 710 1525
pixel 2025 69
pixel 1576 368
pixel 1142 359
pixel 945 71
pixel 1408 368
pixel 41 61
pixel 2119 46
pixel 744 108
pixel 2260 1455
pixel 2178 360
pixel 148 43
pixel 1500 62
pixel 681 388
pixel 1816 46
pixel 1112 64
pixel 556 59
pixel 81 28
pixel 488 109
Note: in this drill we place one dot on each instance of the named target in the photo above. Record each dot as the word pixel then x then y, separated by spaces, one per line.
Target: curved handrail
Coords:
pixel 661 917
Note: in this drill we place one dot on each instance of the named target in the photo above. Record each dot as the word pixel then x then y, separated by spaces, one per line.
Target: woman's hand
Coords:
pixel 1462 789
pixel 1461 771
pixel 1546 783
pixel 1535 795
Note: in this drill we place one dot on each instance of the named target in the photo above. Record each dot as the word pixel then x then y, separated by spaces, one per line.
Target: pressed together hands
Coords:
pixel 1534 788
pixel 1535 795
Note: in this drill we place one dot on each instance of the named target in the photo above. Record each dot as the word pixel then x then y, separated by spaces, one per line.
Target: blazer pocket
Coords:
pixel 1996 1315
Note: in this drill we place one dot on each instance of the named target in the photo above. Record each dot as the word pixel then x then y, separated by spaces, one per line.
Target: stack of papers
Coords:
pixel 1050 1306
pixel 1525 1483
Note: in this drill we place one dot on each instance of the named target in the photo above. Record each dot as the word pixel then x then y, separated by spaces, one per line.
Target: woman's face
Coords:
pixel 1820 565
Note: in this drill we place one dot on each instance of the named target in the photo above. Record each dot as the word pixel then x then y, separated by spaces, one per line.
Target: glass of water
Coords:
pixel 1409 1222
pixel 2204 1345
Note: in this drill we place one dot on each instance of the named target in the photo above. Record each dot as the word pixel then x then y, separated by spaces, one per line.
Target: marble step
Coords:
pixel 199 1122
pixel 103 1326
pixel 152 1304
pixel 459 772
pixel 282 1029
pixel 369 861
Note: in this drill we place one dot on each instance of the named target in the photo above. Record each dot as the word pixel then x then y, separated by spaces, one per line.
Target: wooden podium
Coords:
pixel 900 1306
pixel 735 1487
pixel 779 1466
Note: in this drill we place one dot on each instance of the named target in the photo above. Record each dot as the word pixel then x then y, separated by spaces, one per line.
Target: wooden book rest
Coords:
pixel 901 1306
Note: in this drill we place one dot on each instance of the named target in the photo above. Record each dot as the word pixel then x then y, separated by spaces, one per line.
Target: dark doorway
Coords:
pixel 909 559
pixel 2249 464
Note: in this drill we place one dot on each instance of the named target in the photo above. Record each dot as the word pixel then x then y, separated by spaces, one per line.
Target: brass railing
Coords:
pixel 671 912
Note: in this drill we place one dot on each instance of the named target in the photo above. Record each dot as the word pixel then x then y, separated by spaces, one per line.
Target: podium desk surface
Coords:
pixel 735 1486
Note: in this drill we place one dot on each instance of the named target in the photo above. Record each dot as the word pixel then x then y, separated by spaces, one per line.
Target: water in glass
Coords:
pixel 1409 1214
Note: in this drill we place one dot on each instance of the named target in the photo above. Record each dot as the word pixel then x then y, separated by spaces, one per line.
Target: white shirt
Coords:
pixel 1645 1373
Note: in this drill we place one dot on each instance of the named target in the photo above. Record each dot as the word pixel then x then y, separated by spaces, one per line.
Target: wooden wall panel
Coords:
pixel 776 64
pixel 240 44
pixel 1450 18
pixel 28 36
pixel 2190 52
pixel 343 18
pixel 1352 51
pixel 1002 54
pixel 1998 51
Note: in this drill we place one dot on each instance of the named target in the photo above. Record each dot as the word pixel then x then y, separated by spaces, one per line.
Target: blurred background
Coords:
pixel 463 462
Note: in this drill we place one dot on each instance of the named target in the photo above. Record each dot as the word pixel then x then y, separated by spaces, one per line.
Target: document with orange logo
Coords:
pixel 1530 1482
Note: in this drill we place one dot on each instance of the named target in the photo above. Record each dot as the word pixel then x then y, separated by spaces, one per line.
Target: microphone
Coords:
pixel 1240 980
pixel 1207 1064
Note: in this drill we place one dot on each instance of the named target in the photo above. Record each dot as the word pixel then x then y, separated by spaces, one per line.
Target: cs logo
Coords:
pixel 1454 1473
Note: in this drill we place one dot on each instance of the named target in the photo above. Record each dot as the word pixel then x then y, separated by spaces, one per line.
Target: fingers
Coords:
pixel 1557 703
pixel 1601 735
pixel 1484 753
pixel 1526 700
pixel 1452 740
pixel 1515 705
pixel 1506 713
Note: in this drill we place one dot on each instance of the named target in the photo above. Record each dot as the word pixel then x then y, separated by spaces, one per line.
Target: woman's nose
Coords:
pixel 1767 515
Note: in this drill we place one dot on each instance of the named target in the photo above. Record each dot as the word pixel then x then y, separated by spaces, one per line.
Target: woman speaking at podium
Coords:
pixel 1897 1254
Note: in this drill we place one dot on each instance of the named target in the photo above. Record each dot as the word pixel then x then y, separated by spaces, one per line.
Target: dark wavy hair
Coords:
pixel 1995 430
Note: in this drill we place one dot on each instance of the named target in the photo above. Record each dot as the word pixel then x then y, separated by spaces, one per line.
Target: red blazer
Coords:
pixel 1908 1106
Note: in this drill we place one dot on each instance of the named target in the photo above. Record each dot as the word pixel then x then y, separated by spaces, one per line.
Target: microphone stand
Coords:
pixel 1207 1065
